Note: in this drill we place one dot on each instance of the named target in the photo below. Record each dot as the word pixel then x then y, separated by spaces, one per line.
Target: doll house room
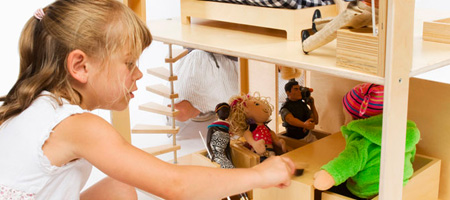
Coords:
pixel 406 42
pixel 396 47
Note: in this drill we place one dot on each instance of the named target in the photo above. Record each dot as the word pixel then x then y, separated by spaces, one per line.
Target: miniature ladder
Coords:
pixel 162 90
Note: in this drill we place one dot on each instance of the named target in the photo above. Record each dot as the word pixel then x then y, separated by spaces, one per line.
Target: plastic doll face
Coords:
pixel 258 111
pixel 295 94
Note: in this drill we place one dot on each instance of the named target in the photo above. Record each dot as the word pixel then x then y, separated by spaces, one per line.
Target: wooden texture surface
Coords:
pixel 290 20
pixel 268 45
pixel 437 31
pixel 357 49
pixel 429 107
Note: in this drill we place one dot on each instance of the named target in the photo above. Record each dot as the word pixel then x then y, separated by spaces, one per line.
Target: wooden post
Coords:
pixel 121 119
pixel 399 45
pixel 243 76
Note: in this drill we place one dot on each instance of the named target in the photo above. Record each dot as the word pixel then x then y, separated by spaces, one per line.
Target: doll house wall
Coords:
pixel 328 93
pixel 429 107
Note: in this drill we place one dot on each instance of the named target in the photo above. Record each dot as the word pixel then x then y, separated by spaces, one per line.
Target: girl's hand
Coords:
pixel 275 171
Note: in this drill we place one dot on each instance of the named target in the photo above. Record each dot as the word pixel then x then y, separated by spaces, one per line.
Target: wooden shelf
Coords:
pixel 155 129
pixel 159 109
pixel 162 73
pixel 158 150
pixel 270 45
pixel 161 90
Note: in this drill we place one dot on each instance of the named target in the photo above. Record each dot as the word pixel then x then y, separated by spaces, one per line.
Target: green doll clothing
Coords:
pixel 359 162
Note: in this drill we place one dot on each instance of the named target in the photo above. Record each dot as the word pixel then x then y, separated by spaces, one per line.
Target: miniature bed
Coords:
pixel 290 20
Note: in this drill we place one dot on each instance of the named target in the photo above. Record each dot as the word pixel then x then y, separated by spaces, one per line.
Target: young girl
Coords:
pixel 76 56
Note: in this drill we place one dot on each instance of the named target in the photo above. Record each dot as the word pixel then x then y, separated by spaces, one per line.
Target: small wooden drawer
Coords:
pixel 357 49
pixel 437 31
pixel 424 184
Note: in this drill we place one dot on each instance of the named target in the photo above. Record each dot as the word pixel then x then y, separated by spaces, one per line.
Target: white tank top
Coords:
pixel 25 172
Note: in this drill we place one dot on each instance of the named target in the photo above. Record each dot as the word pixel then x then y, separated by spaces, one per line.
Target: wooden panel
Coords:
pixel 144 128
pixel 158 150
pixel 399 51
pixel 357 49
pixel 429 107
pixel 262 79
pixel 121 122
pixel 243 76
pixel 161 90
pixel 424 183
pixel 159 109
pixel 328 99
pixel 138 6
pixel 198 158
pixel 437 31
pixel 177 54
pixel 290 20
pixel 162 73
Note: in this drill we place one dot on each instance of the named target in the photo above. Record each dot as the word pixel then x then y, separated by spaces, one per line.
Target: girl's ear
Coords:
pixel 76 65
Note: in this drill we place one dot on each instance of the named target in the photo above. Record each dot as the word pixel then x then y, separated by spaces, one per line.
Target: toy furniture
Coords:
pixel 402 54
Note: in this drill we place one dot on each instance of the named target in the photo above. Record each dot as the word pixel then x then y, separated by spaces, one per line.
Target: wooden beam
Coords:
pixel 399 45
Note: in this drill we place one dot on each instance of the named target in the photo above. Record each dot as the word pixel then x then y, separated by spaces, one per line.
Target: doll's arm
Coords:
pixel 208 143
pixel 279 142
pixel 349 162
pixel 323 180
pixel 308 124
pixel 258 146
pixel 314 115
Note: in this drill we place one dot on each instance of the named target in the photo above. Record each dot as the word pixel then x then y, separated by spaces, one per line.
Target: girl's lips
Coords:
pixel 131 95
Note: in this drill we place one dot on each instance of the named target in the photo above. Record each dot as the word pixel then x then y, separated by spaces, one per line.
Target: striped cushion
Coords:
pixel 291 4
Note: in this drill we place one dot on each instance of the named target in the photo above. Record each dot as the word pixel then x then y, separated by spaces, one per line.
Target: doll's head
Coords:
pixel 364 100
pixel 222 110
pixel 248 109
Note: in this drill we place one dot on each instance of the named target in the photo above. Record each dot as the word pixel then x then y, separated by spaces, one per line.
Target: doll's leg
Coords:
pixel 328 32
pixel 363 18
pixel 321 22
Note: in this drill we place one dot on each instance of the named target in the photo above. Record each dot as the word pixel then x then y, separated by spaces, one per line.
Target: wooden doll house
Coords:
pixel 400 53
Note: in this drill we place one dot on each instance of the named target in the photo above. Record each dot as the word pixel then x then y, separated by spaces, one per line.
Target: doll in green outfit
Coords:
pixel 356 171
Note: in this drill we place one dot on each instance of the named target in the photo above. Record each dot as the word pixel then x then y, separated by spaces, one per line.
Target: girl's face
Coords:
pixel 113 84
pixel 258 111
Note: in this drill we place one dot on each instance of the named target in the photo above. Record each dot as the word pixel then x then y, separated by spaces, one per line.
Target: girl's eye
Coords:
pixel 130 65
pixel 257 104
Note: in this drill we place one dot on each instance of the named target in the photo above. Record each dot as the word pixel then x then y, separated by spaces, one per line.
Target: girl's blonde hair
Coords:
pixel 99 28
pixel 238 103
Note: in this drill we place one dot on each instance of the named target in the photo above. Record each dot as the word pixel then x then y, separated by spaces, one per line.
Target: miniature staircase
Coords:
pixel 166 92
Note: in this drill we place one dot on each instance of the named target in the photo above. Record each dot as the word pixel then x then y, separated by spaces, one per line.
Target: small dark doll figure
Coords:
pixel 218 138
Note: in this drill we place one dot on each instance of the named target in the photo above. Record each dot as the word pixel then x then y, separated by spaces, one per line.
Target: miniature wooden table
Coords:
pixel 315 155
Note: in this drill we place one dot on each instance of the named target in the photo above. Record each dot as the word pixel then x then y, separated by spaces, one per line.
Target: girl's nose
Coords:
pixel 137 73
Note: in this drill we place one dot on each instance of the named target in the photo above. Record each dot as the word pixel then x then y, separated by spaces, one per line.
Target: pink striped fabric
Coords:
pixel 364 100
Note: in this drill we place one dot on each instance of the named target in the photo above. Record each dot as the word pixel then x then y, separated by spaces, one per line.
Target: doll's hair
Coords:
pixel 291 83
pixel 238 103
pixel 222 110
pixel 100 28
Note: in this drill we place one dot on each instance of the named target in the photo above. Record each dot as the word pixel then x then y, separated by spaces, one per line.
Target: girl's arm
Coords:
pixel 90 137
